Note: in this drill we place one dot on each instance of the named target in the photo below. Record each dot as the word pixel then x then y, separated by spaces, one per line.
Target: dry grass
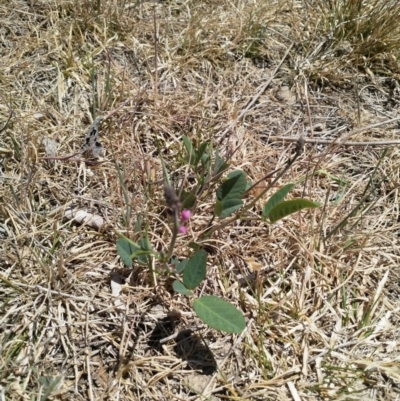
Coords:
pixel 323 313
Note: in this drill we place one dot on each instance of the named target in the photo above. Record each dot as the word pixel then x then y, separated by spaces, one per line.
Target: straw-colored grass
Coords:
pixel 323 312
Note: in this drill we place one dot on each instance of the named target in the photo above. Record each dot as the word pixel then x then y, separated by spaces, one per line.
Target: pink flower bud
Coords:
pixel 182 230
pixel 185 214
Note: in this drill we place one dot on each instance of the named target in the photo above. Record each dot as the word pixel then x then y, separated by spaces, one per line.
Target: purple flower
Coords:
pixel 182 230
pixel 185 215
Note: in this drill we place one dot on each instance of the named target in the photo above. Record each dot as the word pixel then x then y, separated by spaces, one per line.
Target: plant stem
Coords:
pixel 152 274
pixel 174 235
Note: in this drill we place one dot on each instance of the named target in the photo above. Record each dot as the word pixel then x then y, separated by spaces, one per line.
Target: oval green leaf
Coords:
pixel 276 198
pixel 189 149
pixel 225 208
pixel 194 245
pixel 219 314
pixel 180 267
pixel 188 200
pixel 234 187
pixel 181 289
pixel 200 152
pixel 220 164
pixel 144 250
pixel 125 249
pixel 286 208
pixel 195 270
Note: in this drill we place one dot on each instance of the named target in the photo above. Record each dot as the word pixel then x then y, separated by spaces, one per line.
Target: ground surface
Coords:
pixel 323 311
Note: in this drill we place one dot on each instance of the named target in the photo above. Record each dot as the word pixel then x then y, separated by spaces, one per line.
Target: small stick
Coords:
pixel 328 142
pixel 343 141
pixel 64 158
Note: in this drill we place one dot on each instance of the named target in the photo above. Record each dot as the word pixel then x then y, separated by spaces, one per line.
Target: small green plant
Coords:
pixel 230 193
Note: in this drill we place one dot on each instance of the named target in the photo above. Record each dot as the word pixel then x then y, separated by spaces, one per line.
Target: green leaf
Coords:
pixel 339 180
pixel 189 148
pixel 141 256
pixel 138 223
pixel 219 314
pixel 125 249
pixel 129 250
pixel 276 198
pixel 181 289
pixel 144 245
pixel 200 152
pixel 195 270
pixel 180 267
pixel 249 184
pixel 220 164
pixel 234 187
pixel 286 208
pixel 194 245
pixel 205 159
pixel 188 200
pixel 167 181
pixel 226 207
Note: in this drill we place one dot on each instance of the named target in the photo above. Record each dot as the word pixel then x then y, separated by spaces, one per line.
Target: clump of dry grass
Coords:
pixel 342 37
pixel 322 311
